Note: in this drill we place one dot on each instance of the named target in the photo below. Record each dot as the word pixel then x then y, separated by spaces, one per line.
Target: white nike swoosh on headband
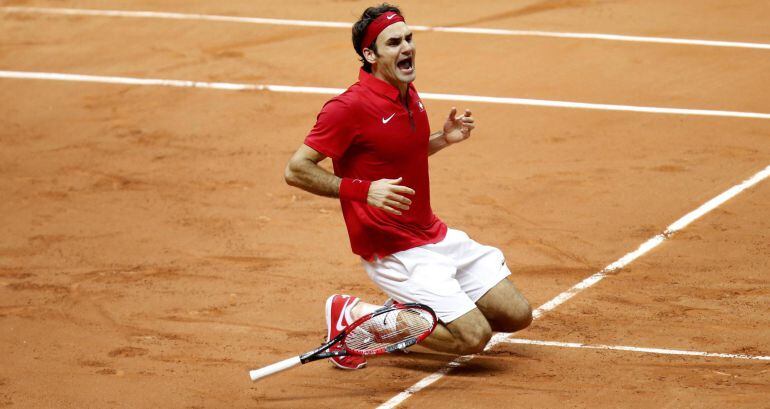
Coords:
pixel 391 17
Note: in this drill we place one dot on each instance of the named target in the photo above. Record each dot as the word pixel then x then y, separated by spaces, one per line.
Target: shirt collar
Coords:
pixel 379 86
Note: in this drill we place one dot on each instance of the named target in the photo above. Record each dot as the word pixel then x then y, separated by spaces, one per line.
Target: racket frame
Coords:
pixel 323 352
pixel 398 345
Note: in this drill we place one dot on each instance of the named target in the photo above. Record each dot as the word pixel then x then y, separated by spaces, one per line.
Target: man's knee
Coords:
pixel 473 342
pixel 520 318
pixel 505 308
pixel 472 332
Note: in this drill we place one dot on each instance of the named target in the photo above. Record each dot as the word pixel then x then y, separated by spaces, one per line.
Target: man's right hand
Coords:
pixel 387 194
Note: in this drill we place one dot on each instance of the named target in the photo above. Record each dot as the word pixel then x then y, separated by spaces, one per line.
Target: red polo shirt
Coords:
pixel 371 134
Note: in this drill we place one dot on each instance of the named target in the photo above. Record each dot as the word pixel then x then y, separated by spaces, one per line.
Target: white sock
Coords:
pixel 361 308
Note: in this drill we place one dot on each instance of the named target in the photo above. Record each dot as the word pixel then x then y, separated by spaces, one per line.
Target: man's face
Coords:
pixel 396 60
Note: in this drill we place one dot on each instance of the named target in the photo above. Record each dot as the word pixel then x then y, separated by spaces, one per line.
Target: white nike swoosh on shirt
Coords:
pixel 339 325
pixel 385 121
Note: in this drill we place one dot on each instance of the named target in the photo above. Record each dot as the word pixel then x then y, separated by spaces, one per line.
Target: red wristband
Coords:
pixel 356 190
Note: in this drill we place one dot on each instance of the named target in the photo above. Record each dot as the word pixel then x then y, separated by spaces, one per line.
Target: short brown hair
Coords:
pixel 359 31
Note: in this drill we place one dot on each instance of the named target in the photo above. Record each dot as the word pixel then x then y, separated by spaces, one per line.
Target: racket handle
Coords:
pixel 274 368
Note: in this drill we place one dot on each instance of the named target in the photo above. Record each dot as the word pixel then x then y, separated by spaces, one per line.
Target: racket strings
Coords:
pixel 389 328
pixel 377 338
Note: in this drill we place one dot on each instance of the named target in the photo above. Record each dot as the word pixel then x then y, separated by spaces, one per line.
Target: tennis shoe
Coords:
pixel 338 318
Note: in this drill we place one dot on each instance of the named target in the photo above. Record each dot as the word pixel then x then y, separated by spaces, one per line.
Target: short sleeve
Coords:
pixel 334 129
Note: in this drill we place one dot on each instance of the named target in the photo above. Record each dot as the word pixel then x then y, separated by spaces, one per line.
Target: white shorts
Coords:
pixel 449 276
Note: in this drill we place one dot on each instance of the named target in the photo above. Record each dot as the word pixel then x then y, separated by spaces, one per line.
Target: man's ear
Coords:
pixel 369 55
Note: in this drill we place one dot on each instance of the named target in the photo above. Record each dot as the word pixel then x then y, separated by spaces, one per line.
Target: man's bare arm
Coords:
pixel 456 129
pixel 303 172
pixel 436 142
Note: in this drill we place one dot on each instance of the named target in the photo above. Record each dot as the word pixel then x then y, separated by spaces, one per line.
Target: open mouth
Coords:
pixel 406 65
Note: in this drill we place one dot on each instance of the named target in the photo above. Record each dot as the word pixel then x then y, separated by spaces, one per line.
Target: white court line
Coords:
pixel 173 16
pixel 336 91
pixel 588 282
pixel 635 349
pixel 335 24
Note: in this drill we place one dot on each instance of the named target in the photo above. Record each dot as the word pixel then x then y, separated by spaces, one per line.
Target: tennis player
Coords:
pixel 378 137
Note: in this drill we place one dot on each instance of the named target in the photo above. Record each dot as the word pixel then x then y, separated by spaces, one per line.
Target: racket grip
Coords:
pixel 274 368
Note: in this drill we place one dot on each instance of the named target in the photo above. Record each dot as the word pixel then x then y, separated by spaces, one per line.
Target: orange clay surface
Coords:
pixel 151 253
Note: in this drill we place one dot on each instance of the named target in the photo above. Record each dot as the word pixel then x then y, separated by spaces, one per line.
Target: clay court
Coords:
pixel 151 253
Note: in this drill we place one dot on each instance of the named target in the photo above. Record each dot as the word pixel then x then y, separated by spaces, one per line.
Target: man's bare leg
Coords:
pixel 466 335
pixel 505 308
pixel 502 309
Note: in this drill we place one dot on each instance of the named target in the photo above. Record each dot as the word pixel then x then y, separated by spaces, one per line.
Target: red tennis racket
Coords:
pixel 385 330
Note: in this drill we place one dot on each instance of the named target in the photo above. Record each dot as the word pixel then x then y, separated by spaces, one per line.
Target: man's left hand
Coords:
pixel 458 128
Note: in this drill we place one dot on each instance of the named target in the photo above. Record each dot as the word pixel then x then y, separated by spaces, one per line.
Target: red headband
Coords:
pixel 380 23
